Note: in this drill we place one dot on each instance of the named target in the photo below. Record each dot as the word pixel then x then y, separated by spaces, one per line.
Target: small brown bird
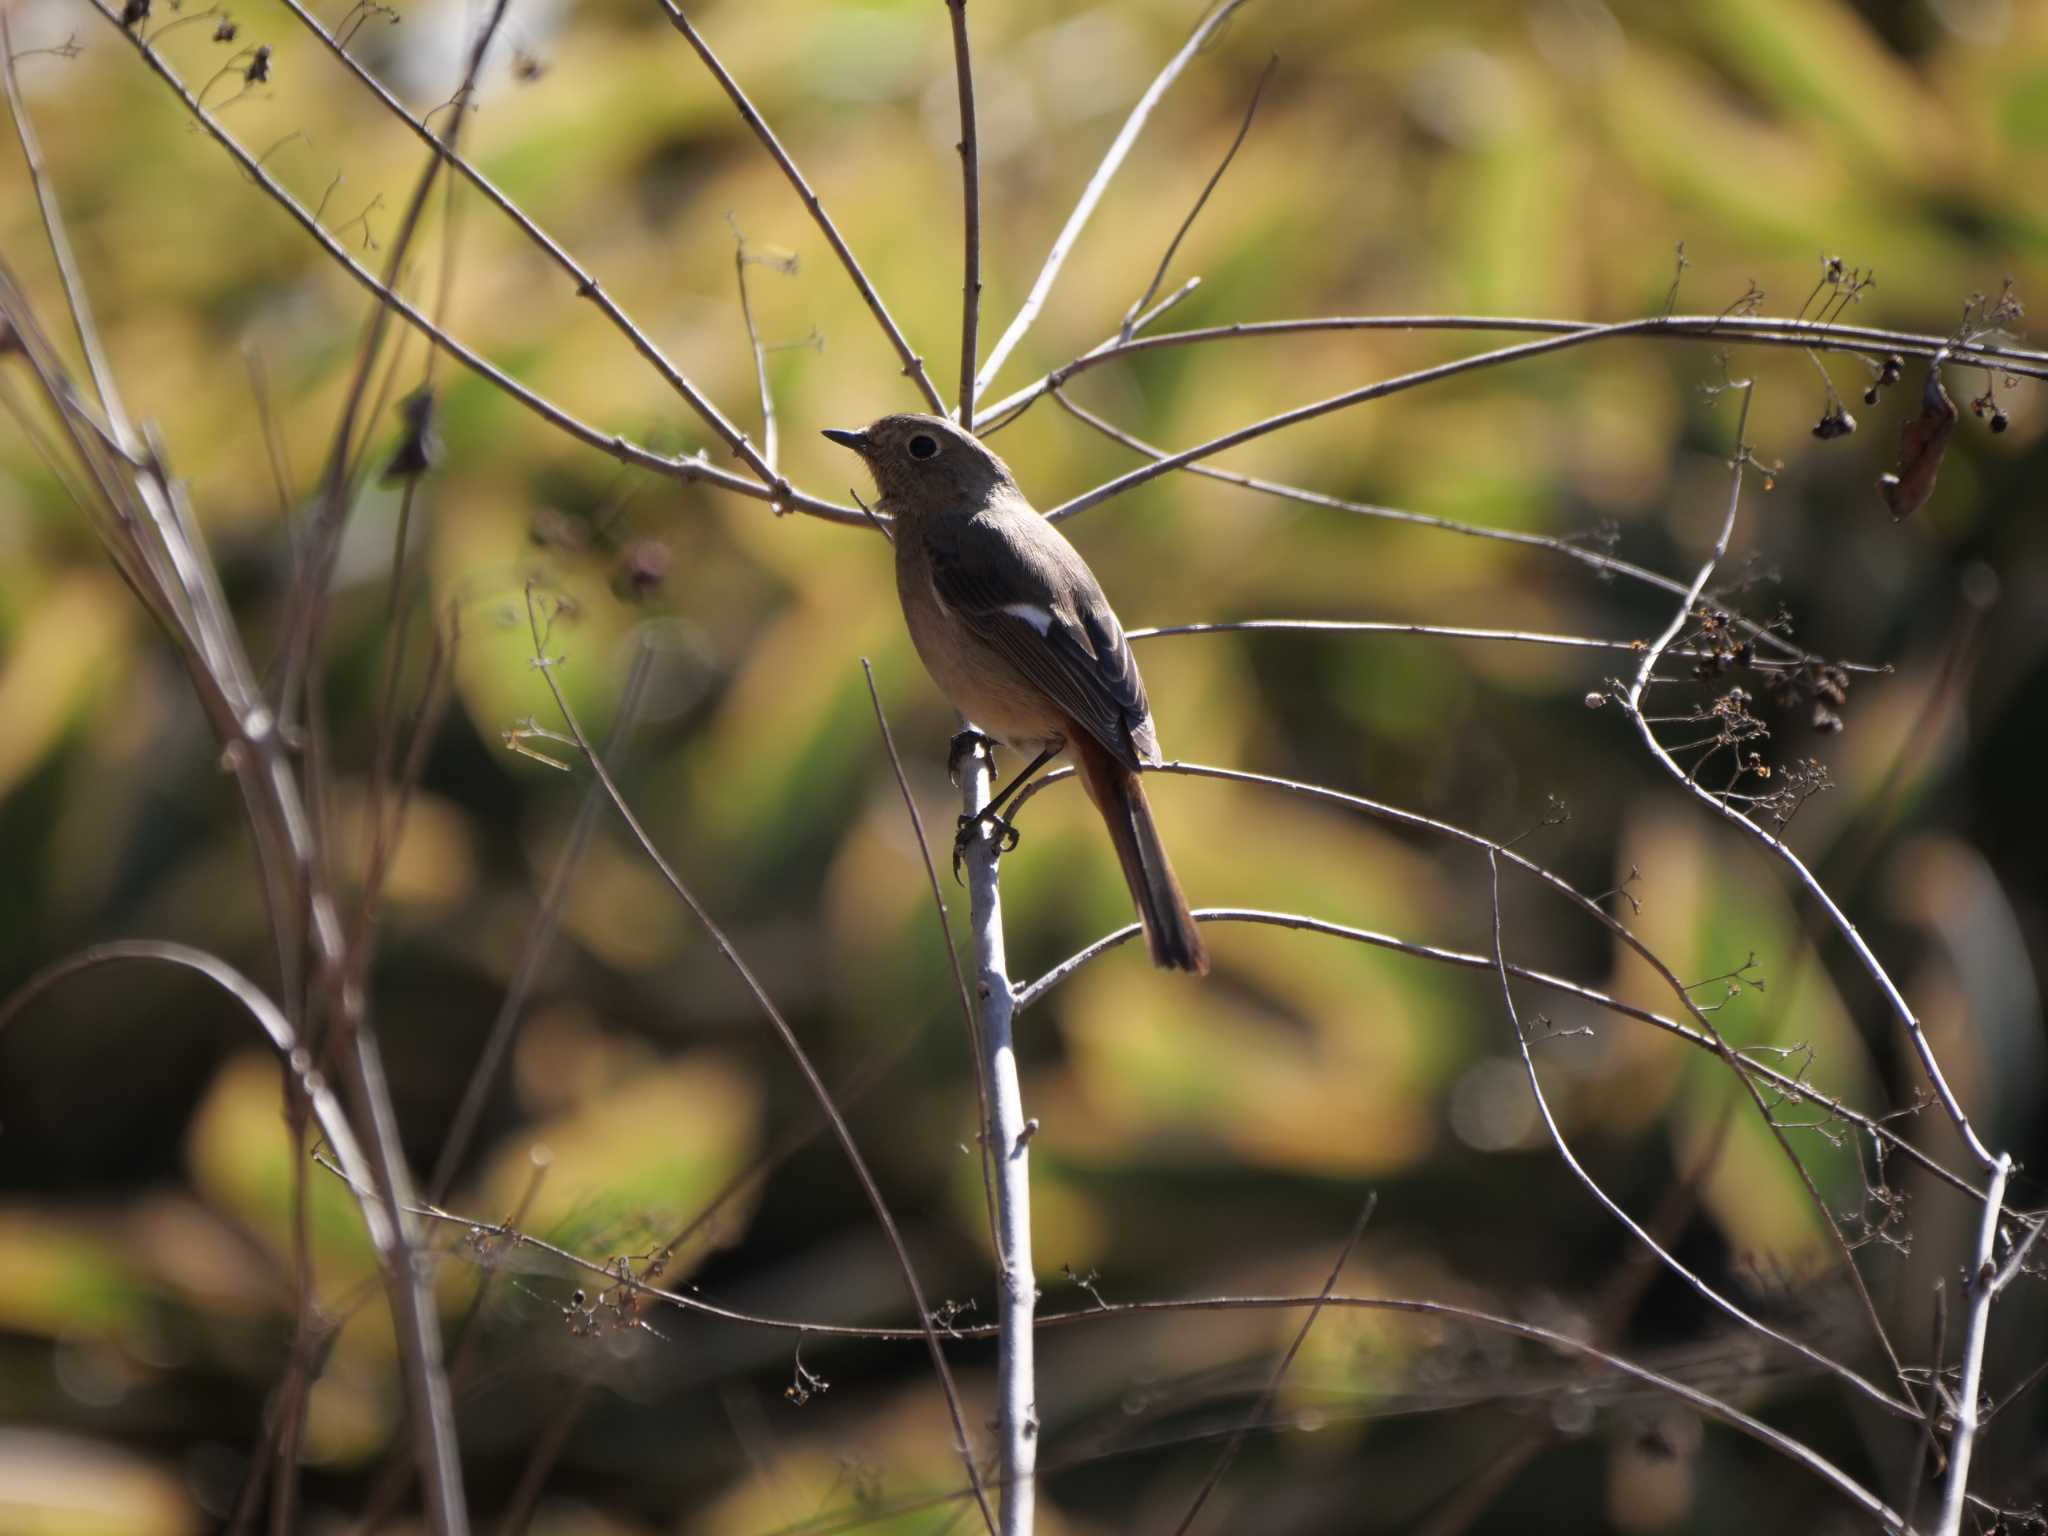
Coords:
pixel 1013 626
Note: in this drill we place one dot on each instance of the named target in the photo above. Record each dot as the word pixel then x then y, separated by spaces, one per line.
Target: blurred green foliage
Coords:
pixel 1475 157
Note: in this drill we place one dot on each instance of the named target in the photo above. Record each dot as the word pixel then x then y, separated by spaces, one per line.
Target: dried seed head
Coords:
pixel 1834 422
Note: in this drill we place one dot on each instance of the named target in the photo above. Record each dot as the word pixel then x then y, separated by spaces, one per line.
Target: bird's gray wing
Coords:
pixel 1015 581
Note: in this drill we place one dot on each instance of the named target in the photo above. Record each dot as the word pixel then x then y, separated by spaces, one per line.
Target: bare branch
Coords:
pixel 1084 210
pixel 1983 1288
pixel 967 1009
pixel 740 262
pixel 1265 1401
pixel 1745 330
pixel 970 204
pixel 1008 1137
pixel 1378 391
pixel 587 285
pixel 913 365
pixel 546 667
pixel 1389 627
pixel 269 1018
pixel 687 468
pixel 537 944
pixel 1705 1403
pixel 75 296
pixel 1804 876
pixel 1700 1288
pixel 1569 548
pixel 1033 991
pixel 1137 309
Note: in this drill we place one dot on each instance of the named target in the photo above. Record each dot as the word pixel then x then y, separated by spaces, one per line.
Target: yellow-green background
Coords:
pixel 1196 1139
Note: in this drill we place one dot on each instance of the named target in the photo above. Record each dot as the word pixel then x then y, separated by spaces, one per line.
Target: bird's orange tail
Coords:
pixel 1170 930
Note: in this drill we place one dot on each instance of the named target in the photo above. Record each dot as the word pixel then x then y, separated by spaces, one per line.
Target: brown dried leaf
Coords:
pixel 1922 442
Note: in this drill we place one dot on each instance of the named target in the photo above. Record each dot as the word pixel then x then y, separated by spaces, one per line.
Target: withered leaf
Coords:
pixel 1922 442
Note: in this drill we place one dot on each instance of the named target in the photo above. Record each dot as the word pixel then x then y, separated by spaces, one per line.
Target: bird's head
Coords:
pixel 926 465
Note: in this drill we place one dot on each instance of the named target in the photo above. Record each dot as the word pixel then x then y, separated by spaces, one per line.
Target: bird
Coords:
pixel 1014 628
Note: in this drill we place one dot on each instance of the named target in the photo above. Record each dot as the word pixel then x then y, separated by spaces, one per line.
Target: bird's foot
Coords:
pixel 970 828
pixel 964 748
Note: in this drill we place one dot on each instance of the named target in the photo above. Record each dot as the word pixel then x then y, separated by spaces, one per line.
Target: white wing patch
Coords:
pixel 1039 618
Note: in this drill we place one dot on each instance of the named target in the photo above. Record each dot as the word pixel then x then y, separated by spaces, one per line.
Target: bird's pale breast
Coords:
pixel 981 684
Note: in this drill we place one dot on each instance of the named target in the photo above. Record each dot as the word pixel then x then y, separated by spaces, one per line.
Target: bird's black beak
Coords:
pixel 857 441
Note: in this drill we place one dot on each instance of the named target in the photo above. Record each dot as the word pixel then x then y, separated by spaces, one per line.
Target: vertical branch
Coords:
pixel 970 205
pixel 1985 1284
pixel 1008 1136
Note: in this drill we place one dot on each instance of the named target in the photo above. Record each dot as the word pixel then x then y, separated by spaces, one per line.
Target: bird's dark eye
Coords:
pixel 923 446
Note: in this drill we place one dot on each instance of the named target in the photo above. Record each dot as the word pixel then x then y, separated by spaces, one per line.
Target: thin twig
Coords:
pixel 970 206
pixel 1743 330
pixel 1035 991
pixel 1804 876
pixel 967 1009
pixel 546 667
pixel 685 468
pixel 307 606
pixel 1699 1036
pixel 740 262
pixel 1265 1400
pixel 1706 1404
pixel 587 285
pixel 913 365
pixel 1570 548
pixel 334 1125
pixel 538 942
pixel 1441 631
pixel 1084 210
pixel 1131 315
pixel 1380 390
pixel 75 297
pixel 1904 1409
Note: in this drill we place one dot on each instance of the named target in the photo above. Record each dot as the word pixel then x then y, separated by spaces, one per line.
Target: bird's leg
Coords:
pixel 989 815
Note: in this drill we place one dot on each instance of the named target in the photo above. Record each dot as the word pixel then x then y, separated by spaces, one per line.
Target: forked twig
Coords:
pixel 685 468
pixel 1699 1286
pixel 1084 210
pixel 1137 309
pixel 1805 877
pixel 913 365
pixel 1596 559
